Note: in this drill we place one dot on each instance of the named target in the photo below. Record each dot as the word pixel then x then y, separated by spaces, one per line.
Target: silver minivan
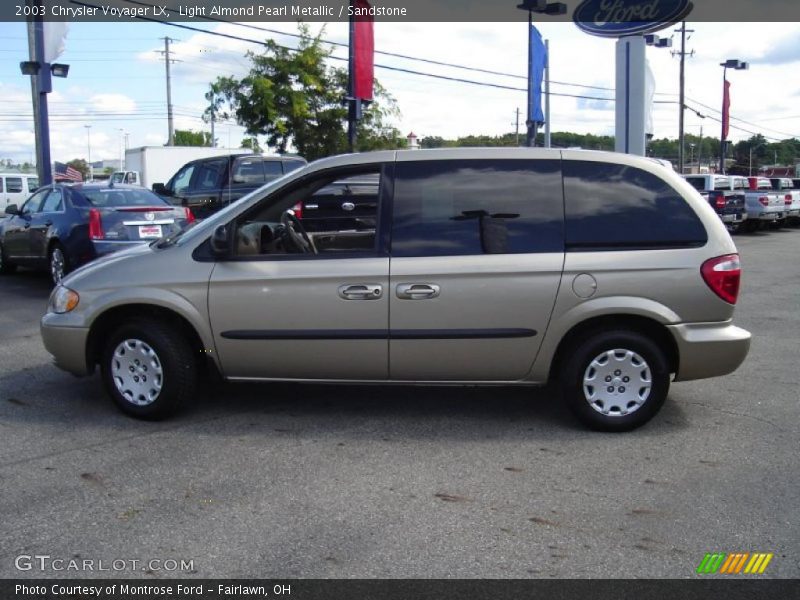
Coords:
pixel 512 266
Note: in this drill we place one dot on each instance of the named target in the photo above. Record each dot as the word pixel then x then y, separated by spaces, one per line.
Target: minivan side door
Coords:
pixel 477 249
pixel 279 313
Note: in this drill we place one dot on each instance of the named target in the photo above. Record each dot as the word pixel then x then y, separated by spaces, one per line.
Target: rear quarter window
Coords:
pixel 612 206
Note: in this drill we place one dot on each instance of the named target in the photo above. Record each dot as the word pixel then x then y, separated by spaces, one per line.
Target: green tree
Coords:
pixel 252 143
pixel 295 99
pixel 81 165
pixel 186 137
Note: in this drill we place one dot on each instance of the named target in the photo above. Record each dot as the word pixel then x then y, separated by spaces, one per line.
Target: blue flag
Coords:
pixel 538 62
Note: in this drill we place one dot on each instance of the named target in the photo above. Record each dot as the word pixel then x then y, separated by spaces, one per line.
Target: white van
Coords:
pixel 15 188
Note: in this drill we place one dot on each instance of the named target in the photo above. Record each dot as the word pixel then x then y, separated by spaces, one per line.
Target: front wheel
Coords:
pixel 615 380
pixel 58 262
pixel 149 369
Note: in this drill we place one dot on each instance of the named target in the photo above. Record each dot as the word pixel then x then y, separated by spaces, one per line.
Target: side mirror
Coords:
pixel 12 209
pixel 220 243
pixel 161 189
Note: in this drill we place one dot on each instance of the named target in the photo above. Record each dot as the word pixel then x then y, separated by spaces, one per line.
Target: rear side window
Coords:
pixel 273 169
pixel 612 206
pixel 467 207
pixel 248 170
pixel 698 183
pixel 33 184
pixel 292 165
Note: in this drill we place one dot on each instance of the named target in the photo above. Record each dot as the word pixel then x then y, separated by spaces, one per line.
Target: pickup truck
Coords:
pixel 786 186
pixel 729 203
pixel 208 184
pixel 763 204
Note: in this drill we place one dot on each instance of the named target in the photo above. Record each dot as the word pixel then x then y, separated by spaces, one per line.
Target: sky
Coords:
pixel 116 84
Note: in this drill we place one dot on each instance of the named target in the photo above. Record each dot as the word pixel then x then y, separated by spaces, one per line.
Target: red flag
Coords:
pixel 363 51
pixel 726 110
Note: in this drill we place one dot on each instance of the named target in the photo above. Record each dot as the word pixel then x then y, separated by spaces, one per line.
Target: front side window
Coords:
pixel 611 206
pixel 209 174
pixel 14 185
pixel 34 202
pixel 182 179
pixel 467 207
pixel 317 223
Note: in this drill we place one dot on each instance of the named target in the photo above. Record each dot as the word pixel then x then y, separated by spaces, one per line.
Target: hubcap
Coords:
pixel 617 382
pixel 57 265
pixel 137 373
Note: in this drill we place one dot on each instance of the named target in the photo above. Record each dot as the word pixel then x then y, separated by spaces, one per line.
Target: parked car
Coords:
pixel 63 226
pixel 791 196
pixel 764 205
pixel 209 184
pixel 718 190
pixel 518 266
pixel 15 187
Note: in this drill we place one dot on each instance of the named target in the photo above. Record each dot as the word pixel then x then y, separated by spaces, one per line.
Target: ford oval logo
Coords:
pixel 617 18
pixel 348 206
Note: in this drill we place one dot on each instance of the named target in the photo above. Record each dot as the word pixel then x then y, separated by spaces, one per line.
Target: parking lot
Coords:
pixel 283 480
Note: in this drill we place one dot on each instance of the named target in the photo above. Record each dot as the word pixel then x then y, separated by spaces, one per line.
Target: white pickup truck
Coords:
pixel 764 205
pixel 791 198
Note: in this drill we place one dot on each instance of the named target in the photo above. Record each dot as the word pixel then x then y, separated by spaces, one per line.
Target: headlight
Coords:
pixel 63 300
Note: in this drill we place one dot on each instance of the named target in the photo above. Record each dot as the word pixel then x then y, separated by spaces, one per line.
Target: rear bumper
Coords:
pixel 709 349
pixel 734 217
pixel 67 345
pixel 103 247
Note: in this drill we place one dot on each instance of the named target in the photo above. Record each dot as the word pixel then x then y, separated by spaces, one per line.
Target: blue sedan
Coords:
pixel 61 227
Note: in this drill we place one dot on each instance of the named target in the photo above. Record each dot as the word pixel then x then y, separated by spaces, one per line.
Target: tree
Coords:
pixel 186 137
pixel 295 99
pixel 81 165
pixel 252 143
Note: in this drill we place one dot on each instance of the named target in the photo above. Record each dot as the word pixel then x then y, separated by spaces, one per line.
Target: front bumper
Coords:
pixel 709 349
pixel 67 345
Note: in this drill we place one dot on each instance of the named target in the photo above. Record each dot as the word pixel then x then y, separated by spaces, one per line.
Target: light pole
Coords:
pixel 691 156
pixel 546 8
pixel 731 63
pixel 89 149
pixel 750 168
pixel 121 151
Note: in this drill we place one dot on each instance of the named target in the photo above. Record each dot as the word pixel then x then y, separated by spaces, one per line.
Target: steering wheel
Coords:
pixel 296 233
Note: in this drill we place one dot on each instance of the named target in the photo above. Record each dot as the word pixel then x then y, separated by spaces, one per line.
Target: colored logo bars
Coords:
pixel 731 564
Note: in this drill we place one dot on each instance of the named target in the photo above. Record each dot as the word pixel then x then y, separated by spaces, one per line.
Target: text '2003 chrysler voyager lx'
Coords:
pixel 604 271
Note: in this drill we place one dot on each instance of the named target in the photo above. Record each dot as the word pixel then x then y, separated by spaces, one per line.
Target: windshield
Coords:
pixel 117 177
pixel 117 197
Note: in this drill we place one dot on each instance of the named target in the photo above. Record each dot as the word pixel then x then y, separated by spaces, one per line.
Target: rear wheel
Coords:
pixel 5 266
pixel 615 380
pixel 149 369
pixel 59 265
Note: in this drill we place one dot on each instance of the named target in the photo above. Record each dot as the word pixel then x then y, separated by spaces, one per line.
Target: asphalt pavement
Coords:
pixel 285 480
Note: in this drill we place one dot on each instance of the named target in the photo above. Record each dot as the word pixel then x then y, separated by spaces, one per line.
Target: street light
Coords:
pixel 736 64
pixel 545 8
pixel 89 148
pixel 691 156
pixel 750 168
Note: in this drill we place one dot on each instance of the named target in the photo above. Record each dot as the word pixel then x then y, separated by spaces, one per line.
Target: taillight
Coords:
pixel 720 201
pixel 95 225
pixel 787 199
pixel 298 210
pixel 189 215
pixel 722 275
pixel 764 200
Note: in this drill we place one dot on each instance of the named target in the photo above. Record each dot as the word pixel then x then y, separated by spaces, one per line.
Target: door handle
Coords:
pixel 48 223
pixel 360 291
pixel 417 291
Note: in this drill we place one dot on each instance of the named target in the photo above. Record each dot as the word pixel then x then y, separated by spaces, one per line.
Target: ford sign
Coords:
pixel 618 18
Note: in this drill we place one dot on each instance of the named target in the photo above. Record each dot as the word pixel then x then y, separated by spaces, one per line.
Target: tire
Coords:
pixel 166 358
pixel 613 359
pixel 57 263
pixel 6 267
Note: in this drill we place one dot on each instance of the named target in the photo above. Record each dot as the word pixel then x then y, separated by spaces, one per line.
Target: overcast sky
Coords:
pixel 116 82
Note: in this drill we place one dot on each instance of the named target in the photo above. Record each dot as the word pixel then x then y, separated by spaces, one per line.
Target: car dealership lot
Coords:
pixel 281 480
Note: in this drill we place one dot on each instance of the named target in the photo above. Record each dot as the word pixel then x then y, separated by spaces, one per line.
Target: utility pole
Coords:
pixel 516 124
pixel 682 99
pixel 170 124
